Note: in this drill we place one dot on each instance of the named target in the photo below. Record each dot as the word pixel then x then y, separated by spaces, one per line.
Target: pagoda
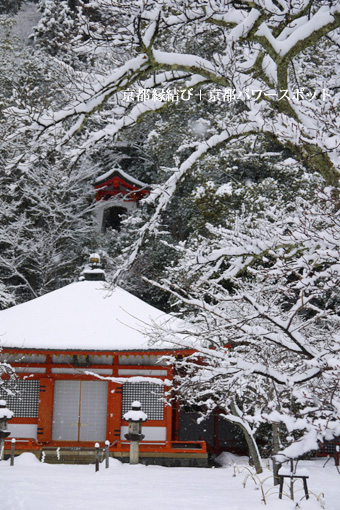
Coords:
pixel 117 193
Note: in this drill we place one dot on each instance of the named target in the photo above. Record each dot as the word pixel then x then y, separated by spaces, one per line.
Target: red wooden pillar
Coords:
pixel 45 417
pixel 116 406
pixel 112 412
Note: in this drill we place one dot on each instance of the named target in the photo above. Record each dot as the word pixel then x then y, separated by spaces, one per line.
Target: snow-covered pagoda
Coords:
pixel 82 357
pixel 117 193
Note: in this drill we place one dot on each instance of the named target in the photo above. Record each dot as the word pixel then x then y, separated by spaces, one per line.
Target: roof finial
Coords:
pixel 93 270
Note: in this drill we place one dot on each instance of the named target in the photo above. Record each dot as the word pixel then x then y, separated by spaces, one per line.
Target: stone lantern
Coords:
pixel 5 415
pixel 135 417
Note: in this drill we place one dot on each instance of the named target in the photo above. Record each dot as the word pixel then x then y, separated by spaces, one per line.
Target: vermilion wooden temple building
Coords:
pixel 82 358
pixel 59 344
pixel 116 194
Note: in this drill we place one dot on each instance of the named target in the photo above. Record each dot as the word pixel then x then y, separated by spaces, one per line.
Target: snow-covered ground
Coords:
pixel 31 485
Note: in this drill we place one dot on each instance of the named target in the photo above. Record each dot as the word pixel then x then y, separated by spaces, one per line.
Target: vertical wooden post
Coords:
pixel 107 444
pixel 97 456
pixel 45 418
pixel 12 451
pixel 280 486
pixel 304 480
pixel 112 413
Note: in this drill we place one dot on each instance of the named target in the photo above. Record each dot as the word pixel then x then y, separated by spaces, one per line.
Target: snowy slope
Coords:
pixel 83 315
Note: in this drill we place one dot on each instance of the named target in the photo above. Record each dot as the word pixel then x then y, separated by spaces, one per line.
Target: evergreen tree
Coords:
pixel 10 6
pixel 46 222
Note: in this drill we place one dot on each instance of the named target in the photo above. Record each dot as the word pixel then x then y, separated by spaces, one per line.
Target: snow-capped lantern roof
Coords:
pixel 135 414
pixel 86 315
pixel 116 182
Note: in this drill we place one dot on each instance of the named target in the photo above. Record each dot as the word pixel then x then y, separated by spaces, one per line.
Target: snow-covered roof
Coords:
pixel 113 171
pixel 83 316
pixel 135 416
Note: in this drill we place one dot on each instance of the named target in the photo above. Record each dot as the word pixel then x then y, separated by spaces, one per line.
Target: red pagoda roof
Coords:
pixel 117 182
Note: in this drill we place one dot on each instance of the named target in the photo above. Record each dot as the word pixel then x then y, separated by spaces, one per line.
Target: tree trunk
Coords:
pixel 276 448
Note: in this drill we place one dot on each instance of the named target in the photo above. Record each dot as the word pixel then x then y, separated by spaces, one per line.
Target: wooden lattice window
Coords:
pixel 150 395
pixel 23 398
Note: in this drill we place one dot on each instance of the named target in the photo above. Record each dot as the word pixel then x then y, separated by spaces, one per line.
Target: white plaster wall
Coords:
pixel 150 433
pixel 102 371
pixel 130 371
pixel 18 430
pixel 30 370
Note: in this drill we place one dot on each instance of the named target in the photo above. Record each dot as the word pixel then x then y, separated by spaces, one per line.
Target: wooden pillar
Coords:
pixel 168 410
pixel 111 412
pixel 115 405
pixel 45 417
pixel 175 419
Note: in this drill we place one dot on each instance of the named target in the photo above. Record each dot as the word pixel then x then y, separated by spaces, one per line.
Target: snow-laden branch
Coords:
pixel 163 195
pixel 272 331
pixel 323 21
pixel 260 38
pixel 132 379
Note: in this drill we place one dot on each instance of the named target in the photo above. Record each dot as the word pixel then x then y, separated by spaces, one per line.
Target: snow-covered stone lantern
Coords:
pixel 135 417
pixel 5 415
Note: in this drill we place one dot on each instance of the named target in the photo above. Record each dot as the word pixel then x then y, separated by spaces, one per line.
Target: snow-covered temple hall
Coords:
pixel 72 350
pixel 82 357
